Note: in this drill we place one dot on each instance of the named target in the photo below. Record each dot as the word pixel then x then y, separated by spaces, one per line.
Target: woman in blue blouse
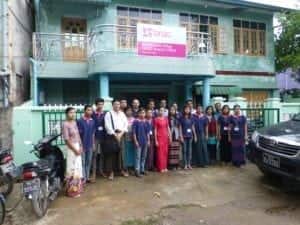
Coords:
pixel 238 136
pixel 187 134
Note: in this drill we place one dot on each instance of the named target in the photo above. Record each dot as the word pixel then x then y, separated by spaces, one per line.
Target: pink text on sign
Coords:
pixel 161 49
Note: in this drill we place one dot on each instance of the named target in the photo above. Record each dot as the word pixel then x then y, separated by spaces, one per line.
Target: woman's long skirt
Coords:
pixel 225 149
pixel 74 173
pixel 129 154
pixel 200 152
pixel 174 154
pixel 162 153
pixel 238 151
pixel 150 161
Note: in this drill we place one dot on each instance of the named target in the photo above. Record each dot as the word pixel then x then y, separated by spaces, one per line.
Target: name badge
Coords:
pixel 150 132
pixel 100 128
pixel 189 130
pixel 225 128
pixel 236 129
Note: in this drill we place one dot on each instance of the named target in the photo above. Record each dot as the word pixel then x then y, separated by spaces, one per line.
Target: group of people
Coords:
pixel 133 138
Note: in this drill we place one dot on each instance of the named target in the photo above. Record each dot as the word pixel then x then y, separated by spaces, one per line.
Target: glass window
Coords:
pixel 245 24
pixel 262 26
pixel 194 18
pixel 237 23
pixel 156 15
pixel 134 12
pixel 129 18
pixel 145 14
pixel 213 20
pixel 249 37
pixel 122 11
pixel 204 19
pixel 200 23
pixel 204 28
pixel 183 17
pixel 253 25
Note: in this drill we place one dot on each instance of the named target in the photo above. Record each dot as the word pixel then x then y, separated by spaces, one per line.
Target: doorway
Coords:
pixel 143 97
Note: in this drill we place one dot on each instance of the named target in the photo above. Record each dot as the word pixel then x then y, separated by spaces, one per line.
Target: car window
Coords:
pixel 297 117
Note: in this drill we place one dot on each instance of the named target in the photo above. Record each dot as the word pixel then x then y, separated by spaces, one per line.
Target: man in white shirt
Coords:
pixel 118 127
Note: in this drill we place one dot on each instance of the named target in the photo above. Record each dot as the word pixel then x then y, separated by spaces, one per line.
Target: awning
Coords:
pixel 220 90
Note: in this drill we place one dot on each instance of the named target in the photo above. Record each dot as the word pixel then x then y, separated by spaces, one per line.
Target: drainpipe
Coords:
pixel 34 82
pixel 4 35
pixel 37 15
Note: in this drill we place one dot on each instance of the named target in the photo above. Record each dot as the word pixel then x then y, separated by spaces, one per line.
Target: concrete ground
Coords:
pixel 220 195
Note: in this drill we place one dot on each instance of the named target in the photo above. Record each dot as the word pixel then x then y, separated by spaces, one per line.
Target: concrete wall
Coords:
pixel 53 11
pixel 19 28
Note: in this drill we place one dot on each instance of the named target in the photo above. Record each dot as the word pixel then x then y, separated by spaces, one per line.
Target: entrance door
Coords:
pixel 74 39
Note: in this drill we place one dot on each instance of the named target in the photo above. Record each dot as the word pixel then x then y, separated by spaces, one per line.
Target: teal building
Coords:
pixel 83 49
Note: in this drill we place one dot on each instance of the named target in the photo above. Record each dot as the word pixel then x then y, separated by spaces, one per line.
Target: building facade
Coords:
pixel 88 48
pixel 16 26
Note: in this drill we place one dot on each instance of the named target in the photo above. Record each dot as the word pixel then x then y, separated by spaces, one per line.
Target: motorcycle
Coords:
pixel 43 179
pixel 8 172
pixel 2 209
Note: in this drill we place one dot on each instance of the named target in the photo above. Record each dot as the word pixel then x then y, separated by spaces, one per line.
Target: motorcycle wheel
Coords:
pixel 6 184
pixel 40 201
pixel 2 210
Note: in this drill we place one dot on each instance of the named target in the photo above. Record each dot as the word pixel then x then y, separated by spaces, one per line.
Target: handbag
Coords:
pixel 111 144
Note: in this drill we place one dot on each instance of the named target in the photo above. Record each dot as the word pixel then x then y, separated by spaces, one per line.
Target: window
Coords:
pixel 128 18
pixel 249 38
pixel 74 39
pixel 195 24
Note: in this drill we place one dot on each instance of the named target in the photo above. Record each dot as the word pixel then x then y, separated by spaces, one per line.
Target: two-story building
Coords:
pixel 88 48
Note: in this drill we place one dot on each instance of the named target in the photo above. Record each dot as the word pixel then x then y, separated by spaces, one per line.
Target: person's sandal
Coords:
pixel 124 174
pixel 111 176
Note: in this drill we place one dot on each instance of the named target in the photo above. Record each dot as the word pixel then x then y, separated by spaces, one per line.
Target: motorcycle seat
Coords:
pixel 41 165
pixel 4 152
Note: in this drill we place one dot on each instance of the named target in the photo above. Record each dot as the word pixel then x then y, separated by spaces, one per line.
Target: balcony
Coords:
pixel 62 47
pixel 113 49
pixel 123 39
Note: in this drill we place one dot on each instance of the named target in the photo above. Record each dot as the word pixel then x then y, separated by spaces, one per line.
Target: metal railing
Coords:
pixel 256 118
pixel 67 47
pixel 101 39
pixel 123 39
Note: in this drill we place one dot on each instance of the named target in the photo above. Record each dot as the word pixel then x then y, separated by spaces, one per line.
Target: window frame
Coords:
pixel 260 51
pixel 132 47
pixel 215 51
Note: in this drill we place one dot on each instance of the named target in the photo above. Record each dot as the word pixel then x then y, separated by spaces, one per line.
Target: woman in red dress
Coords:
pixel 162 140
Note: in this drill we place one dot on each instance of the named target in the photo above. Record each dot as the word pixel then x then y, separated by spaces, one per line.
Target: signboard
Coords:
pixel 157 40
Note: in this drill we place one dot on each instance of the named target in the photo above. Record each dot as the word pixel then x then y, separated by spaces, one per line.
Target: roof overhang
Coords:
pixel 234 4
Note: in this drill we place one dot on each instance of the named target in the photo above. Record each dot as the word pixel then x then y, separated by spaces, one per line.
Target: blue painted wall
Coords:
pixel 53 11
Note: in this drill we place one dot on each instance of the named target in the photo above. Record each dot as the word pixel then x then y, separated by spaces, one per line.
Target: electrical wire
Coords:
pixel 28 30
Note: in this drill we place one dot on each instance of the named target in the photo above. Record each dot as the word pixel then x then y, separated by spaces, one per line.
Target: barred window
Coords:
pixel 249 38
pixel 194 24
pixel 127 20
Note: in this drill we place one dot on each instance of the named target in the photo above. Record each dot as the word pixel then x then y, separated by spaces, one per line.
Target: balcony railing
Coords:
pixel 123 39
pixel 66 47
pixel 103 39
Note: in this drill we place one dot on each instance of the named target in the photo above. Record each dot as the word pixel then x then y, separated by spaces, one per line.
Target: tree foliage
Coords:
pixel 287 46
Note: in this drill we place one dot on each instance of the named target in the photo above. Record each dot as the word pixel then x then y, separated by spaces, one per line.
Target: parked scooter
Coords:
pixel 43 179
pixel 2 209
pixel 8 172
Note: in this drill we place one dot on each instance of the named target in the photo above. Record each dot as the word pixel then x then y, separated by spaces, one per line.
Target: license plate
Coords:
pixel 8 167
pixel 271 160
pixel 31 186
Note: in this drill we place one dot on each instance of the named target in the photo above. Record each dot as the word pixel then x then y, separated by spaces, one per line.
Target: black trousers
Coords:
pixel 114 162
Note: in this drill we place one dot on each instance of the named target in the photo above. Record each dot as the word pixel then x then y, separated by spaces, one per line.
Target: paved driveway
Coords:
pixel 220 195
